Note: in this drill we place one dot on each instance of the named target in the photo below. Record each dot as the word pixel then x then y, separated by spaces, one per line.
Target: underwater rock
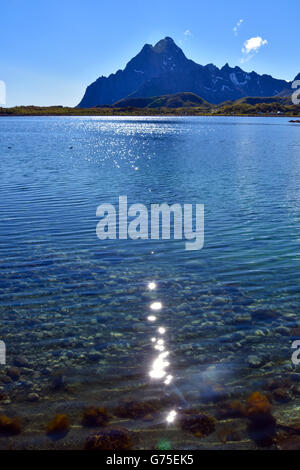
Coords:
pixel 196 422
pixel 255 361
pixel 282 330
pixel 290 443
pixel 282 395
pixel 228 433
pixel 288 436
pixel 111 439
pixel 296 389
pixel 242 318
pixel 27 371
pixel 58 382
pixel 280 382
pixel 295 376
pixel 263 314
pixel 288 419
pixel 13 373
pixel 3 395
pixel 94 356
pixel 33 397
pixel 295 332
pixel 5 379
pixel 261 332
pixel 232 337
pixel 245 301
pixel 9 426
pixel 21 362
pixel 95 416
pixel 148 417
pixel 59 426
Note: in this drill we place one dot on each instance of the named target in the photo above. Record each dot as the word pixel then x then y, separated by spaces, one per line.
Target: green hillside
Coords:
pixel 179 104
pixel 134 102
pixel 178 100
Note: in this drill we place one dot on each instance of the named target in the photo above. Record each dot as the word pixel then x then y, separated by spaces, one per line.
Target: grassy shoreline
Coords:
pixel 126 114
pixel 258 110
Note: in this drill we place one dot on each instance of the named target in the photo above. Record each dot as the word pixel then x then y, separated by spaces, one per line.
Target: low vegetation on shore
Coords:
pixel 180 104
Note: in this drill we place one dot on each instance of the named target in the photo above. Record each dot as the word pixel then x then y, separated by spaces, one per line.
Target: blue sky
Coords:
pixel 51 50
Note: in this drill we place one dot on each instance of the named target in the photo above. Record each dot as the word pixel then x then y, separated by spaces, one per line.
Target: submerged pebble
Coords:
pixel 255 361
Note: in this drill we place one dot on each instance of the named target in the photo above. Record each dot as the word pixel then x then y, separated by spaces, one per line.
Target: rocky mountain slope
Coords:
pixel 163 69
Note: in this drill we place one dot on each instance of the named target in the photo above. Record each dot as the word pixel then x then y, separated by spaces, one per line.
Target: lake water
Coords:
pixel 77 306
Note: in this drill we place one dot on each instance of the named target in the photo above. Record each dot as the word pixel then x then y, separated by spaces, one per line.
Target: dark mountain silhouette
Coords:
pixel 163 69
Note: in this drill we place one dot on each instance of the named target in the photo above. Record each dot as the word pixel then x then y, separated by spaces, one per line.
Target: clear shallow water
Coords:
pixel 73 303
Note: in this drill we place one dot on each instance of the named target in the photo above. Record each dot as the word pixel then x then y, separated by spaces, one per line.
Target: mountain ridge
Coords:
pixel 163 69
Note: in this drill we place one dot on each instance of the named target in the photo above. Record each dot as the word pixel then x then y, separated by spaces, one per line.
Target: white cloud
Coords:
pixel 253 44
pixel 187 32
pixel 251 47
pixel 237 26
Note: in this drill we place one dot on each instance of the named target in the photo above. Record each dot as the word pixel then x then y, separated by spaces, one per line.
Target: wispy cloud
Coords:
pixel 251 47
pixel 187 33
pixel 237 27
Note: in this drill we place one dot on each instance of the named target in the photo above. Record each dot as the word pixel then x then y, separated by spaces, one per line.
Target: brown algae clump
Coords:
pixel 95 416
pixel 262 424
pixel 258 407
pixel 111 439
pixel 59 425
pixel 9 426
pixel 200 424
pixel 133 409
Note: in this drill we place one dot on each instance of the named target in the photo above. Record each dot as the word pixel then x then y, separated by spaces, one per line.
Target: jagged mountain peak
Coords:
pixel 166 43
pixel 154 60
pixel 163 69
pixel 226 67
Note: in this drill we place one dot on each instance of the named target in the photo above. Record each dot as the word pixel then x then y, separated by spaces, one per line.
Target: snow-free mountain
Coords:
pixel 163 69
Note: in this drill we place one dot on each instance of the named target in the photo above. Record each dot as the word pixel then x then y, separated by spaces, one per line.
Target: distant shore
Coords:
pixel 131 112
